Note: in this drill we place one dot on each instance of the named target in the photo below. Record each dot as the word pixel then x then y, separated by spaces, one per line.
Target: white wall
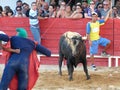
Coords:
pixel 12 3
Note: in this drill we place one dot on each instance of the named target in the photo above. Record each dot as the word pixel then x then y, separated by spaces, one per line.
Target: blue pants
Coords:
pixel 36 33
pixel 10 70
pixel 96 43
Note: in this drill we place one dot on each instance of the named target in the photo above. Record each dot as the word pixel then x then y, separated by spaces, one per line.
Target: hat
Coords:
pixel 94 13
pixel 22 32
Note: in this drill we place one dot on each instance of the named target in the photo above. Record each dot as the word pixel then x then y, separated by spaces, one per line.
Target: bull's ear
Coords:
pixel 84 38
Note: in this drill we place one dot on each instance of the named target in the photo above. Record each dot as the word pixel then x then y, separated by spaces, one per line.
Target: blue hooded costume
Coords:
pixel 20 64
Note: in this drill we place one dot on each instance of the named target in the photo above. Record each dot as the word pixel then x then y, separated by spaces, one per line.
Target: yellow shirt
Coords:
pixel 94 31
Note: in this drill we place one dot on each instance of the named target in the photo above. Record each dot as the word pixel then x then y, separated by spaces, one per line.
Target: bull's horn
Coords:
pixel 84 38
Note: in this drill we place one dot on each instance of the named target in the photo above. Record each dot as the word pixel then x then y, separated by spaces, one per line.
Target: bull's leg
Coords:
pixel 70 70
pixel 85 68
pixel 60 63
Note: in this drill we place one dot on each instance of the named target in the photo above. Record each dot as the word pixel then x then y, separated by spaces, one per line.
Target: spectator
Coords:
pixel 85 6
pixel 78 13
pixel 45 9
pixel 92 30
pixel 40 3
pixel 118 6
pixel 90 9
pixel 34 22
pixel 7 8
pixel 41 12
pixel 19 12
pixel 56 2
pixel 25 9
pixel 19 15
pixel 10 13
pixel 18 3
pixel 73 8
pixel 98 9
pixel 52 12
pixel 57 8
pixel 4 14
pixel 61 12
pixel 68 11
pixel 105 10
pixel 53 2
pixel 96 2
pixel 114 12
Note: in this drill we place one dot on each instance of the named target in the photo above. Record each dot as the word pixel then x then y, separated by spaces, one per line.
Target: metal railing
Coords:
pixel 96 56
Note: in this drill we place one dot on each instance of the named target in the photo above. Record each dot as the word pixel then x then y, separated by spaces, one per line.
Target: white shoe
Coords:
pixel 93 67
pixel 105 54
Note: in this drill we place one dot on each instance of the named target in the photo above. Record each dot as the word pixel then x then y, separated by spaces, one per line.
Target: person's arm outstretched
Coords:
pixel 108 14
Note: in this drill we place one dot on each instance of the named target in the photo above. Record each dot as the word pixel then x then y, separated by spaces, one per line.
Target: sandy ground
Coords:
pixel 103 79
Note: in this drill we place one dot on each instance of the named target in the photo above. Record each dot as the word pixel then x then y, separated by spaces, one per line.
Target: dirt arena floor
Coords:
pixel 103 79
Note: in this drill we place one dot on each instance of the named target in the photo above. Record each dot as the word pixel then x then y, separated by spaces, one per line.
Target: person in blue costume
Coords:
pixel 18 63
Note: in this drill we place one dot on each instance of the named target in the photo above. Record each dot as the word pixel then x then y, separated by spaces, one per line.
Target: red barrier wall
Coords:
pixel 51 30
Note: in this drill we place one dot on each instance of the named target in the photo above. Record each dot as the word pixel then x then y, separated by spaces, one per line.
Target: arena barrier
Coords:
pixel 52 29
pixel 88 56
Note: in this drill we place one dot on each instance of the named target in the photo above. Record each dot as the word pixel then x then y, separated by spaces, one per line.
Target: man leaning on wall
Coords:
pixel 92 31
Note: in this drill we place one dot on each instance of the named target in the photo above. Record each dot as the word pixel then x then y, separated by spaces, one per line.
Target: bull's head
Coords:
pixel 75 41
pixel 75 44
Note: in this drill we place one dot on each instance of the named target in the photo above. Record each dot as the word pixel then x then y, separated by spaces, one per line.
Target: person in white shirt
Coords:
pixel 34 22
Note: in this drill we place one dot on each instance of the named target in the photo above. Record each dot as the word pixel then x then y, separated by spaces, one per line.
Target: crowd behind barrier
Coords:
pixel 64 9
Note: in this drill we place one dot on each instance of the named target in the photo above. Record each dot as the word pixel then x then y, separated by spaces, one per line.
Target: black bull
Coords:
pixel 73 49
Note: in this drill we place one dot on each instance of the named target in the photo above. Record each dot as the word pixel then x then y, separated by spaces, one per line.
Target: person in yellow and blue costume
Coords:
pixel 92 31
